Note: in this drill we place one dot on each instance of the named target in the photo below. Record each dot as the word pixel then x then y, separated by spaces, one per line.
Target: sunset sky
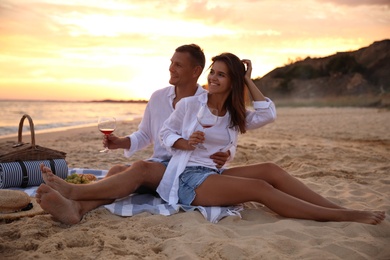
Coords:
pixel 121 49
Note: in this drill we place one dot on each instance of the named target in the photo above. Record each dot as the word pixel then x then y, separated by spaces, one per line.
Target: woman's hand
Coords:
pixel 196 138
pixel 190 144
pixel 253 89
pixel 248 72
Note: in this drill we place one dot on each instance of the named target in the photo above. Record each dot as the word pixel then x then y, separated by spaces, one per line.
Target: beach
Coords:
pixel 341 153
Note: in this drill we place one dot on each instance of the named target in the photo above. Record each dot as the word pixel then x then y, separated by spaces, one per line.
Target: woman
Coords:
pixel 192 178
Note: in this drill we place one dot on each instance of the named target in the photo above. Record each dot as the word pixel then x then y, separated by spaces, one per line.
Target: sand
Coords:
pixel 341 153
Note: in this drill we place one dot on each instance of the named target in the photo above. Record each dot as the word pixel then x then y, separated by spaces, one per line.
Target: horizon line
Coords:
pixel 89 101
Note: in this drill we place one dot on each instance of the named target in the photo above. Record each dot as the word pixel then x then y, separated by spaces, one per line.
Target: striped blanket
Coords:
pixel 138 203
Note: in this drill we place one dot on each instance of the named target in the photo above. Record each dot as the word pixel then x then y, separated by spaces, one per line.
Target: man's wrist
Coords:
pixel 127 142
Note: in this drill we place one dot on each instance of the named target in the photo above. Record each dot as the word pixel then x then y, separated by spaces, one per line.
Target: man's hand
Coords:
pixel 220 158
pixel 114 142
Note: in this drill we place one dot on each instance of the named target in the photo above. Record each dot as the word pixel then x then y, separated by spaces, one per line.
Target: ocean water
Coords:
pixel 56 115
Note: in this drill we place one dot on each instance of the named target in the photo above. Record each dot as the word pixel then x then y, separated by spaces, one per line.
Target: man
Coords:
pixel 69 203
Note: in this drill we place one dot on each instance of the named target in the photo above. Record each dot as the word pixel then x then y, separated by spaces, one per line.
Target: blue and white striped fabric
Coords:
pixel 27 173
pixel 138 203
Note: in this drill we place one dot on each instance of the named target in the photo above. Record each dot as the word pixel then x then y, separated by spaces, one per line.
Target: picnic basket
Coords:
pixel 20 151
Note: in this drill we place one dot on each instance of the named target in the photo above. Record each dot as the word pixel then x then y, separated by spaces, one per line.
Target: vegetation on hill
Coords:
pixel 356 78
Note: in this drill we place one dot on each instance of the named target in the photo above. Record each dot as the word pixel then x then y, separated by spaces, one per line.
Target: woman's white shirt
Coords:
pixel 182 123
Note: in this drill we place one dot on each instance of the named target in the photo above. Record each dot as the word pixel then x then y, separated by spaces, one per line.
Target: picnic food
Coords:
pixel 80 178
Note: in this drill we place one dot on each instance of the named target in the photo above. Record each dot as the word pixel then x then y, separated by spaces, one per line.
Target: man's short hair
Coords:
pixel 195 52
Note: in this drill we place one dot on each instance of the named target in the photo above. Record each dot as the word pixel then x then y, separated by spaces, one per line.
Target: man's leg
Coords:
pixel 120 168
pixel 70 211
pixel 148 174
pixel 62 209
pixel 117 169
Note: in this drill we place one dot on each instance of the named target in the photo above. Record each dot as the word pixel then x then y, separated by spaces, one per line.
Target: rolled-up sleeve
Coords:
pixel 143 136
pixel 264 113
pixel 172 128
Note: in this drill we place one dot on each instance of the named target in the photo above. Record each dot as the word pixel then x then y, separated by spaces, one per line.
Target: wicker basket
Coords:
pixel 20 151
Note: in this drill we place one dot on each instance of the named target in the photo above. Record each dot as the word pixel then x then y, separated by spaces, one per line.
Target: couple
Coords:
pixel 187 175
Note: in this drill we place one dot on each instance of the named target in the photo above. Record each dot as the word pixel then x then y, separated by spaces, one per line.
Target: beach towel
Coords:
pixel 139 203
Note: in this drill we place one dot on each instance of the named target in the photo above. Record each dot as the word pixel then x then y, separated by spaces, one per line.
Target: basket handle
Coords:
pixel 31 129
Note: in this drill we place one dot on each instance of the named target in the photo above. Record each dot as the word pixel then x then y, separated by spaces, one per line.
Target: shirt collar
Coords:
pixel 172 94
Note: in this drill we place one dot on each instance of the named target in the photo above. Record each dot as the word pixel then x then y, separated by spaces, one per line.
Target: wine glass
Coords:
pixel 106 125
pixel 207 117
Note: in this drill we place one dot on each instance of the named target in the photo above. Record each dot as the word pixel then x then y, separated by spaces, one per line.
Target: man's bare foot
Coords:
pixel 62 209
pixel 55 182
pixel 367 217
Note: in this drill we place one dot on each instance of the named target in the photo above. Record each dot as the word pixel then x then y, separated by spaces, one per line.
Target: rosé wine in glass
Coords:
pixel 106 125
pixel 207 117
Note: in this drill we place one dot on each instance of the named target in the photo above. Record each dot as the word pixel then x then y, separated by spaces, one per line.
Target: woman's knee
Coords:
pixel 274 168
pixel 279 175
pixel 271 166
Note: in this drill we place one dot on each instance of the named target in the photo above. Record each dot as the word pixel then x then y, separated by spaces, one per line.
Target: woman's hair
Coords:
pixel 235 102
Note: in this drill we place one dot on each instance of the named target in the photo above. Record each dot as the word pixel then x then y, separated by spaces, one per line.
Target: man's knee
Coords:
pixel 151 172
pixel 148 168
pixel 116 169
pixel 139 164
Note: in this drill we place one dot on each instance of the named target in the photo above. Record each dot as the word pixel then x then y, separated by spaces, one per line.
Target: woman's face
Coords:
pixel 218 79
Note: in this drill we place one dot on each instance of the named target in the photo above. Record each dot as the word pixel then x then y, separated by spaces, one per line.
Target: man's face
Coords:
pixel 181 69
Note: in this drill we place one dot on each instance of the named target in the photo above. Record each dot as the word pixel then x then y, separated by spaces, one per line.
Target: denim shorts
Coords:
pixel 165 162
pixel 190 179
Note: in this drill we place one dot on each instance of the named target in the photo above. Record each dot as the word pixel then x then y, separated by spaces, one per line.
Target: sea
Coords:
pixel 59 115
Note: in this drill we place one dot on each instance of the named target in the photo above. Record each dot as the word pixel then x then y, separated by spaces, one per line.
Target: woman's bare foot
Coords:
pixel 367 217
pixel 55 182
pixel 62 209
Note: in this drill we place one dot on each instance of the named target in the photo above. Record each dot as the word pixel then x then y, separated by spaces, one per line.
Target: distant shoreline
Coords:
pixel 119 101
pixel 367 101
pixel 77 101
pixel 62 131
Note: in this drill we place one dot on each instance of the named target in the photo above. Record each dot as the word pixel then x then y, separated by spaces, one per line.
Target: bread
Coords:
pixel 89 177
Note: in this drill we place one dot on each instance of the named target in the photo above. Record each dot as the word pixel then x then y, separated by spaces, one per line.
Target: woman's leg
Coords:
pixel 281 180
pixel 220 190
